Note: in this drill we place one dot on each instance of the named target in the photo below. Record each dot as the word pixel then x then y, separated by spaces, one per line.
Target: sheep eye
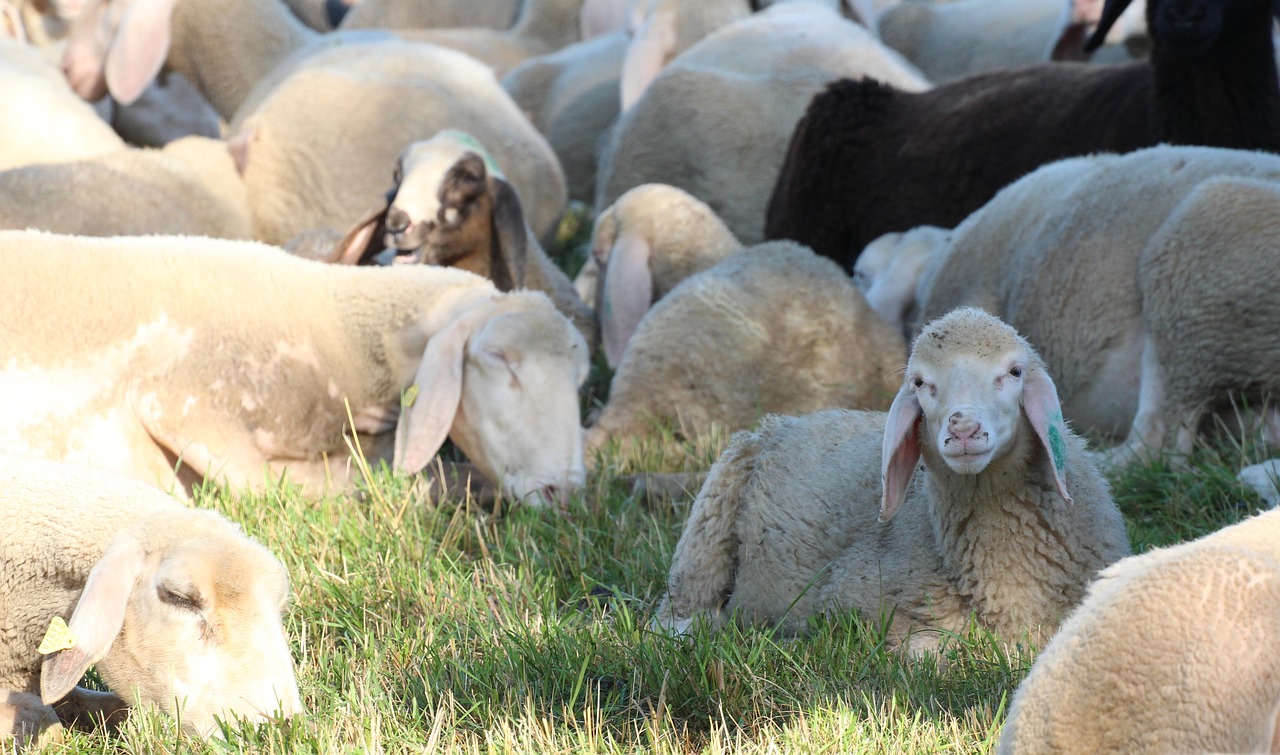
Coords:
pixel 1015 371
pixel 919 382
pixel 178 599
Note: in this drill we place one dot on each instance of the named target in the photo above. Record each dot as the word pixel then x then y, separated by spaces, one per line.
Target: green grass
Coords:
pixel 420 625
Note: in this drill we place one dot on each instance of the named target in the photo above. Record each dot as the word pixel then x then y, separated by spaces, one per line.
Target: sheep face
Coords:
pixel 519 418
pixel 972 385
pixel 1187 28
pixel 187 616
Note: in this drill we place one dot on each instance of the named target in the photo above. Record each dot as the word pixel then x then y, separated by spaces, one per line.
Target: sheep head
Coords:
pixel 185 612
pixel 973 388
pixel 1190 28
pixel 502 381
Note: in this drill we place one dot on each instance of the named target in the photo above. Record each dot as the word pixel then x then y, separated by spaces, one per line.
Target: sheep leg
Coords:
pixel 1147 434
pixel 706 558
pixel 27 720
pixel 87 710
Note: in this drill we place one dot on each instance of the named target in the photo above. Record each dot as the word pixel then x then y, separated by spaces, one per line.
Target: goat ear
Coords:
pixel 97 619
pixel 626 296
pixel 900 452
pixel 367 237
pixel 425 419
pixel 1111 12
pixel 139 49
pixel 647 53
pixel 509 232
pixel 1040 404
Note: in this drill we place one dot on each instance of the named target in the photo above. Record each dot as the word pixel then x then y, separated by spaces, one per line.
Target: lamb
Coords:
pixel 1020 257
pixel 642 247
pixel 191 187
pixel 451 205
pixel 688 129
pixel 168 603
pixel 786 525
pixel 868 159
pixel 1176 650
pixel 148 362
pixel 772 328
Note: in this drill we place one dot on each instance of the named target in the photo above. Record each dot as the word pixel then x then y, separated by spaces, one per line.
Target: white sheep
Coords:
pixel 786 526
pixel 689 129
pixel 451 204
pixel 315 131
pixel 772 328
pixel 173 606
pixel 1175 650
pixel 239 361
pixel 190 187
pixel 642 247
pixel 1024 256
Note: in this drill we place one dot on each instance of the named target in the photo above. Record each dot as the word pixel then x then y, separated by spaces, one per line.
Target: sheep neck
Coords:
pixel 1209 101
pixel 226 47
pixel 1003 539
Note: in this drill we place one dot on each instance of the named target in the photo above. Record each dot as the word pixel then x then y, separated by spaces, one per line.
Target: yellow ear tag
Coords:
pixel 409 396
pixel 59 637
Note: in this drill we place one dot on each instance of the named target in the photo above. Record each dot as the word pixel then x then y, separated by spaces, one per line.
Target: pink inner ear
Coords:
pixel 139 49
pixel 628 293
pixel 900 452
pixel 646 55
pixel 1040 404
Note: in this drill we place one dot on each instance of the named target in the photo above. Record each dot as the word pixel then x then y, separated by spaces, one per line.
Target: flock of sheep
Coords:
pixel 896 231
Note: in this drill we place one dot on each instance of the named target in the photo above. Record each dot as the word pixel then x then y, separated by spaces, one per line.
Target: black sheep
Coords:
pixel 867 159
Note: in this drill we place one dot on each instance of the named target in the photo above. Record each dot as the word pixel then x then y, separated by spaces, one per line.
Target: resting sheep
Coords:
pixel 1176 650
pixel 168 603
pixel 236 359
pixel 868 159
pixel 689 129
pixel 786 527
pixel 773 328
pixel 451 205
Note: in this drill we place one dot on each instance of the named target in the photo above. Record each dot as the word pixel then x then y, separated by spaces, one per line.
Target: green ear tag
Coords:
pixel 409 395
pixel 1057 444
pixel 57 637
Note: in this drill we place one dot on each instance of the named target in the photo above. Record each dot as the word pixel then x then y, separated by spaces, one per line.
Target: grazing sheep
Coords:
pixel 773 328
pixel 147 362
pixel 642 247
pixel 689 129
pixel 786 525
pixel 868 159
pixel 438 14
pixel 1021 257
pixel 191 187
pixel 41 120
pixel 1176 650
pixel 169 604
pixel 451 205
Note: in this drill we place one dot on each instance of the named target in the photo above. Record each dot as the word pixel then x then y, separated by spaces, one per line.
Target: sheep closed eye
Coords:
pixel 179 599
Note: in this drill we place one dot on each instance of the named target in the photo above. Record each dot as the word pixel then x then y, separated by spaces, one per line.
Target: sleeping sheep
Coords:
pixel 236 359
pixel 773 328
pixel 1009 521
pixel 1176 650
pixel 166 602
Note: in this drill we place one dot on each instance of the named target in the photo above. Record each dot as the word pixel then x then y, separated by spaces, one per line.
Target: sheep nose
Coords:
pixel 963 428
pixel 397 220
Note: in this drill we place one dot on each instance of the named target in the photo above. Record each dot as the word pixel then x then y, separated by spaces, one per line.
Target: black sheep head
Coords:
pixel 1188 28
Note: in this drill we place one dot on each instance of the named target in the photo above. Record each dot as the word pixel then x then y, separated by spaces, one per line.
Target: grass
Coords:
pixel 433 626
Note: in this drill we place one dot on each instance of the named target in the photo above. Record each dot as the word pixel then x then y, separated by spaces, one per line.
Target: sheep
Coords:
pixel 414 14
pixel 571 97
pixel 772 328
pixel 146 363
pixel 689 131
pixel 1021 257
pixel 867 159
pixel 642 247
pixel 189 187
pixel 40 119
pixel 785 526
pixel 172 606
pixel 452 205
pixel 1175 650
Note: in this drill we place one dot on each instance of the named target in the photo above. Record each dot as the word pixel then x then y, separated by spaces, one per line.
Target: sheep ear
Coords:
pixel 427 413
pixel 11 22
pixel 1111 12
pixel 1070 44
pixel 139 49
pixel 1040 404
pixel 509 232
pixel 368 236
pixel 97 619
pixel 647 53
pixel 901 451
pixel 628 292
